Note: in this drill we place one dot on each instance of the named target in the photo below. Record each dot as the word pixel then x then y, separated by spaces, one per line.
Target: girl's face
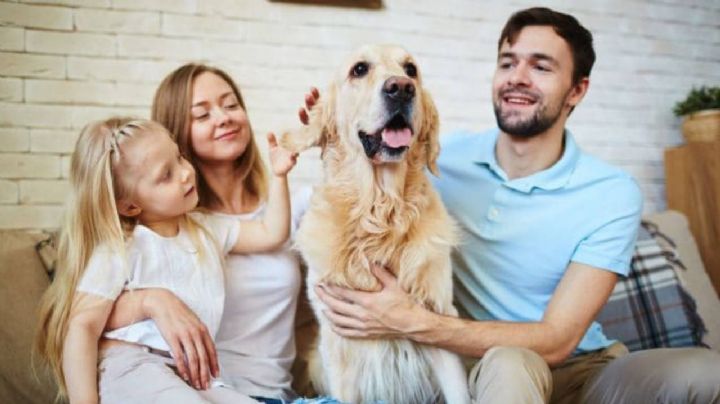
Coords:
pixel 160 181
pixel 219 131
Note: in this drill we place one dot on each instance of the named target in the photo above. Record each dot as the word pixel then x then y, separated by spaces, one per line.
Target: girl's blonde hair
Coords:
pixel 171 108
pixel 91 219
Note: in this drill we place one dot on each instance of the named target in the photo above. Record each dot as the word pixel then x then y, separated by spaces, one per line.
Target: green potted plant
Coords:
pixel 701 114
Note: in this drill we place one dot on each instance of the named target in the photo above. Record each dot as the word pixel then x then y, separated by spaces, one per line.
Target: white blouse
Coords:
pixel 173 263
pixel 256 341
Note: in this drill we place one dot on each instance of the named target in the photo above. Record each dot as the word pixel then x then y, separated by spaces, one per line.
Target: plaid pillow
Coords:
pixel 649 308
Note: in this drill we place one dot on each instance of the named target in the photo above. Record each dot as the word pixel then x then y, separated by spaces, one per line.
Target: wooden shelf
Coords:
pixel 692 174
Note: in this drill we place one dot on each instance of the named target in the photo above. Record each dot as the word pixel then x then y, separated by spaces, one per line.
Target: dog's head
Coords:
pixel 377 106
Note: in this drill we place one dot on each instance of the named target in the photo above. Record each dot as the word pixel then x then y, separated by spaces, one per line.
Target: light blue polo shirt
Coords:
pixel 518 236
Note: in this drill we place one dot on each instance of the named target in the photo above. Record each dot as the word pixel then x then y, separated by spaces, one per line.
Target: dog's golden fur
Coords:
pixel 377 209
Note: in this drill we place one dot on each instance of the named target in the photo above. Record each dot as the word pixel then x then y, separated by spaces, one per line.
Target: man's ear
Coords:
pixel 577 92
pixel 128 209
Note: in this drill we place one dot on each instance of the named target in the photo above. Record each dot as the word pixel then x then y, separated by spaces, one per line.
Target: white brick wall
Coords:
pixel 65 62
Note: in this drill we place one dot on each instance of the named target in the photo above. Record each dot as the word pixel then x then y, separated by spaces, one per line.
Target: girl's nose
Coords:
pixel 187 171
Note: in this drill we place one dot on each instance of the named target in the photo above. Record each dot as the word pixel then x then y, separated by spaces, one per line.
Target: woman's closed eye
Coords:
pixel 200 114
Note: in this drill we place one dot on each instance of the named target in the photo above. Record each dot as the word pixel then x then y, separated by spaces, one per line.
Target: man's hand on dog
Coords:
pixel 389 313
pixel 310 101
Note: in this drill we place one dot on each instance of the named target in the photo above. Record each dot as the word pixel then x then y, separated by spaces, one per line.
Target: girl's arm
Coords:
pixel 270 232
pixel 88 316
pixel 189 339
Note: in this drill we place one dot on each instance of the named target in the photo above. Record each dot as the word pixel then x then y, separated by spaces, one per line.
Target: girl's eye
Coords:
pixel 201 116
pixel 166 176
pixel 232 106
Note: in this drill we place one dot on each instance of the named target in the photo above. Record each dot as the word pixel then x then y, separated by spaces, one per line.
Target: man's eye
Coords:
pixel 542 68
pixel 359 69
pixel 505 65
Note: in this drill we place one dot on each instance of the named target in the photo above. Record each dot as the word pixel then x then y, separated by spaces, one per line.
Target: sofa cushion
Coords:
pixel 23 282
pixel 692 273
pixel 649 308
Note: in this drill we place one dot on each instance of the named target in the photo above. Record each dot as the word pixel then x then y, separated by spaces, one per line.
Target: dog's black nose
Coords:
pixel 399 89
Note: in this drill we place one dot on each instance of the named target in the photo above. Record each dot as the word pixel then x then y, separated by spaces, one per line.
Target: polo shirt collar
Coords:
pixel 552 178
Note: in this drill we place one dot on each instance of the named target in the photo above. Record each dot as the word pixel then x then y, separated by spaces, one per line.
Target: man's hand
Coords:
pixel 310 101
pixel 389 313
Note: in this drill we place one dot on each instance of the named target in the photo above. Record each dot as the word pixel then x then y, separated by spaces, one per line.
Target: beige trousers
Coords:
pixel 130 374
pixel 609 376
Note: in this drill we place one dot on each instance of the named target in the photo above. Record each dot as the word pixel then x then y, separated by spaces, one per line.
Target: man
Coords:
pixel 546 229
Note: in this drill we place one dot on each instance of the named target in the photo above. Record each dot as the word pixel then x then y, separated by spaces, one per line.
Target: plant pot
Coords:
pixel 702 126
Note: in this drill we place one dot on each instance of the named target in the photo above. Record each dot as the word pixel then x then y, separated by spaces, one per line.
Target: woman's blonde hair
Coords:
pixel 171 108
pixel 91 219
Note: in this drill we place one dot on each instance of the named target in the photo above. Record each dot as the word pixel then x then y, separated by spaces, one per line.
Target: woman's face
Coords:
pixel 220 131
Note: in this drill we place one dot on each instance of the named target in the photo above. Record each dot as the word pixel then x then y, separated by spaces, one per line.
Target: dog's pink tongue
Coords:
pixel 396 138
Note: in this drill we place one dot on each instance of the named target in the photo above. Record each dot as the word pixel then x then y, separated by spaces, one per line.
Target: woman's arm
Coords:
pixel 190 342
pixel 270 232
pixel 88 316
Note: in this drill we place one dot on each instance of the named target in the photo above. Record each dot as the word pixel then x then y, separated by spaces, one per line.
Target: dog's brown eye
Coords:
pixel 360 69
pixel 410 70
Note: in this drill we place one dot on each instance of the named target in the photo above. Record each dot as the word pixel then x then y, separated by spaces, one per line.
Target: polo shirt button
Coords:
pixel 493 214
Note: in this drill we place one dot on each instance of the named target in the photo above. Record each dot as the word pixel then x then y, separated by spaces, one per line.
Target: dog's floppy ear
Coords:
pixel 429 132
pixel 321 128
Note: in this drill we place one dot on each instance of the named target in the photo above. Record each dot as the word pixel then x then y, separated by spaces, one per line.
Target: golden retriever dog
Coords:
pixel 378 130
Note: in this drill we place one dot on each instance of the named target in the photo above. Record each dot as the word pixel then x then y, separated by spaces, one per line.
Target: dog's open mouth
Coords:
pixel 390 142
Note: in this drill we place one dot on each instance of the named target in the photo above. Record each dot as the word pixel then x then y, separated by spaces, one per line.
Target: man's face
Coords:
pixel 532 86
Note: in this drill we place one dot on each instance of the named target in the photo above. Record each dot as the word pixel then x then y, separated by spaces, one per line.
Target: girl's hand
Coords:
pixel 190 342
pixel 281 159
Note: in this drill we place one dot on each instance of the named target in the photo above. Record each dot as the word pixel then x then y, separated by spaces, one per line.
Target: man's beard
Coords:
pixel 540 121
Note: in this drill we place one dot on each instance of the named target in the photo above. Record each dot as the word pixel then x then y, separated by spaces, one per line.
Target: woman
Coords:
pixel 204 110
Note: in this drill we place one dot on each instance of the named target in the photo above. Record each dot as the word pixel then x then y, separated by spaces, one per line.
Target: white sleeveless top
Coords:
pixel 256 341
pixel 173 263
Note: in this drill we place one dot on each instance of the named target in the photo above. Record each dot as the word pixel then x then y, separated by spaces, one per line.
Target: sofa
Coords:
pixel 24 278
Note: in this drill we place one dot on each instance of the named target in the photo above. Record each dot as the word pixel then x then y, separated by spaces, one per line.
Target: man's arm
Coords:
pixel 580 295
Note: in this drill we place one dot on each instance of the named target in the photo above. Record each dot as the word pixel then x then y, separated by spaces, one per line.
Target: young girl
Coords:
pixel 128 226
